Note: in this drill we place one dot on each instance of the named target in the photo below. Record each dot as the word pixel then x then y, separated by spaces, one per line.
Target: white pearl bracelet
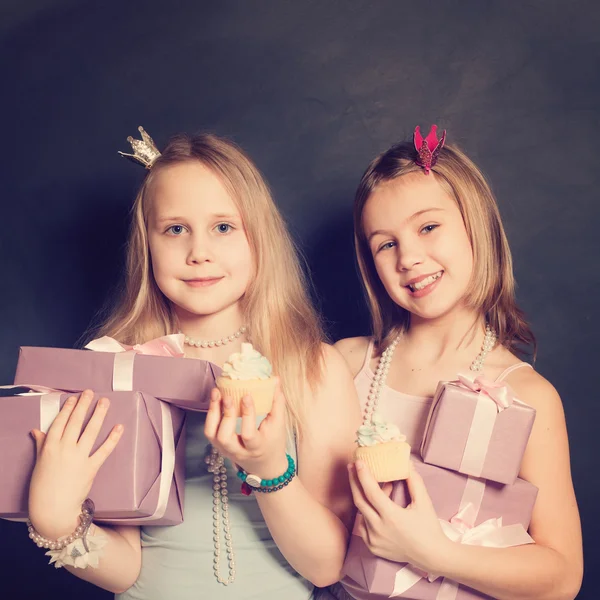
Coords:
pixel 85 520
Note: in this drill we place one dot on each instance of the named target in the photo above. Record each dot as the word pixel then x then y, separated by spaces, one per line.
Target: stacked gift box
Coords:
pixel 142 481
pixel 470 457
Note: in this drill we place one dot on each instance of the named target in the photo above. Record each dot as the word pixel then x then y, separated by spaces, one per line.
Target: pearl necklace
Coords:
pixel 489 341
pixel 211 344
pixel 217 467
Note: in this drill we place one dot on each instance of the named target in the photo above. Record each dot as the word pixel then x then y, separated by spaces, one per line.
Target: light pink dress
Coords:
pixel 409 413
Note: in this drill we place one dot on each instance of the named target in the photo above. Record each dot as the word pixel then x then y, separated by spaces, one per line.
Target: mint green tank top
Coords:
pixel 177 562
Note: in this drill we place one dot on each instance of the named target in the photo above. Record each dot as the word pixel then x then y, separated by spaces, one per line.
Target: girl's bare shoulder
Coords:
pixel 353 350
pixel 529 385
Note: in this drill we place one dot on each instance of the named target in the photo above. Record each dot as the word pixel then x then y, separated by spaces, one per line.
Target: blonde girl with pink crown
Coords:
pixel 437 270
pixel 209 256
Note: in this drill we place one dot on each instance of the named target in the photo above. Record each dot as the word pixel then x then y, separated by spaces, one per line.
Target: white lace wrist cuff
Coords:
pixel 77 555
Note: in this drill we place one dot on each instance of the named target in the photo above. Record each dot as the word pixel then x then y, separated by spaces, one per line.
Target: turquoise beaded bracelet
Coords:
pixel 253 483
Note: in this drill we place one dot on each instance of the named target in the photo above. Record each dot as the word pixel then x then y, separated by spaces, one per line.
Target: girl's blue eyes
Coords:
pixel 424 231
pixel 177 230
pixel 386 246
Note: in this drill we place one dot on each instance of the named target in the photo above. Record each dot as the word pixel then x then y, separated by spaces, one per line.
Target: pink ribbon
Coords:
pixel 167 345
pixel 499 392
pixel 461 529
pixel 494 398
pixel 490 533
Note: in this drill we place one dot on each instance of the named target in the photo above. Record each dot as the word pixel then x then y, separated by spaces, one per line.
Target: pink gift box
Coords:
pixel 142 481
pixel 178 381
pixel 368 577
pixel 476 433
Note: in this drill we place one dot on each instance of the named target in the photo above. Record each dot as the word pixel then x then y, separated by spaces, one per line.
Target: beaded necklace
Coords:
pixel 383 367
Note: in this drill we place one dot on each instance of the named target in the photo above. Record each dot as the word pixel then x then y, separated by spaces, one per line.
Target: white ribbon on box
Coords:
pixel 50 407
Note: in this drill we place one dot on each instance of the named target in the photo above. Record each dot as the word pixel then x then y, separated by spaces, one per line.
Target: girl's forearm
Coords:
pixel 310 536
pixel 520 573
pixel 120 561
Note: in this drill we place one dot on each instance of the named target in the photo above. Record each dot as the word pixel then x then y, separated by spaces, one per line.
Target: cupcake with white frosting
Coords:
pixel 383 449
pixel 248 373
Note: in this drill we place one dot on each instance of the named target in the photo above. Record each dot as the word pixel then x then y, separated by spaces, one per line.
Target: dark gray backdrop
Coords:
pixel 312 90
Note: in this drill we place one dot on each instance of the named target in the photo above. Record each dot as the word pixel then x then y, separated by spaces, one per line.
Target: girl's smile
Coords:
pixel 201 282
pixel 419 245
pixel 423 285
pixel 201 258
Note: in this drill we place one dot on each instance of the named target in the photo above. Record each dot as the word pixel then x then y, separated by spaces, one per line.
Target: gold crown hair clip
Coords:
pixel 145 151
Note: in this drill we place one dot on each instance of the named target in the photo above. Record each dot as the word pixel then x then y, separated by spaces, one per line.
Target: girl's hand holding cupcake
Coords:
pixel 259 450
pixel 412 534
pixel 247 388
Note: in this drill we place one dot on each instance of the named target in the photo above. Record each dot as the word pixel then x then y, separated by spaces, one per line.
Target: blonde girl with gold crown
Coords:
pixel 438 274
pixel 209 255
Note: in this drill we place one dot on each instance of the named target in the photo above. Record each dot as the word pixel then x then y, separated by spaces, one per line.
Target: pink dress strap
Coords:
pixel 368 355
pixel 512 368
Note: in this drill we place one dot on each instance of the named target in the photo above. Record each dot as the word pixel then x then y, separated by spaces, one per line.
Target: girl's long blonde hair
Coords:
pixel 283 324
pixel 492 286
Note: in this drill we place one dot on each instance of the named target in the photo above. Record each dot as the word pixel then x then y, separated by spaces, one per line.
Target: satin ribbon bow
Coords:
pixel 500 393
pixel 167 345
pixel 490 533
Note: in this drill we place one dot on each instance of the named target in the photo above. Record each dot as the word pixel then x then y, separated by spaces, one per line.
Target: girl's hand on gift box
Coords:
pixel 412 534
pixel 256 450
pixel 64 470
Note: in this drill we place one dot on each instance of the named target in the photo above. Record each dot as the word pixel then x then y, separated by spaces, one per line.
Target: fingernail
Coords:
pixel 87 394
pixel 70 401
pixel 104 402
pixel 246 401
pixel 119 429
pixel 359 464
pixel 227 402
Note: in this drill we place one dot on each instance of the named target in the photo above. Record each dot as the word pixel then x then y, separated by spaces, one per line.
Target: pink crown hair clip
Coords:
pixel 428 148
